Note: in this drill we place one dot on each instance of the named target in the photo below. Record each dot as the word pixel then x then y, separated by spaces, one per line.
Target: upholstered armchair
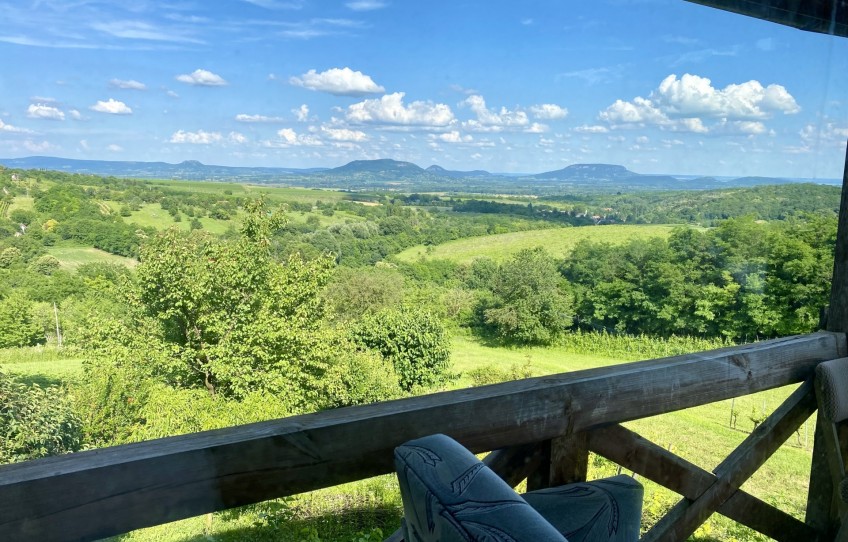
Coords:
pixel 449 495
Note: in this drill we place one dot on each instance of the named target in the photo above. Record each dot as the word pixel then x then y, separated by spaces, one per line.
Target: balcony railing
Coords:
pixel 540 428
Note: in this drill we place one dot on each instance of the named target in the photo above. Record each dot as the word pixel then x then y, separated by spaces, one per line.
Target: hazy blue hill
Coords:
pixel 391 174
pixel 439 170
pixel 588 171
pixel 188 170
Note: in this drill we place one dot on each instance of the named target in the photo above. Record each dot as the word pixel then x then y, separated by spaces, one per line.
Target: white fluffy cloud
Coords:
pixel 391 110
pixel 344 134
pixel 199 137
pixel 290 138
pixel 111 106
pixel 241 117
pixel 114 148
pixel 453 137
pixel 130 84
pixel 492 121
pixel 237 138
pixel 202 78
pixel 8 128
pixel 301 113
pixel 338 81
pixel 44 111
pixel 683 104
pixel 694 96
pixel 548 112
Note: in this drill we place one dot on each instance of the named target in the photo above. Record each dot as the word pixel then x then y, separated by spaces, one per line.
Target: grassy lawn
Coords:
pixel 557 241
pixel 72 257
pixel 21 202
pixel 152 215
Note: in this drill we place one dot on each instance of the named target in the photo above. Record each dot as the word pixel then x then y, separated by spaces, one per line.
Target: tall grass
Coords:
pixel 32 354
pixel 632 348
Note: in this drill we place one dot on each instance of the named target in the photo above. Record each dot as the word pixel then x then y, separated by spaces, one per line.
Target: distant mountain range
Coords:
pixel 394 174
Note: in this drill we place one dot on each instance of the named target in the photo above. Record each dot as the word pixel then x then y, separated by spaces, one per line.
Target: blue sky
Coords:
pixel 660 86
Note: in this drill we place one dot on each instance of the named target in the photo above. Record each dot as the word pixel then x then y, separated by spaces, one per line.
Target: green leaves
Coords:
pixel 412 339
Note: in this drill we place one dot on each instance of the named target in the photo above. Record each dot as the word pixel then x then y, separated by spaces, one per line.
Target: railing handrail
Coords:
pixel 103 492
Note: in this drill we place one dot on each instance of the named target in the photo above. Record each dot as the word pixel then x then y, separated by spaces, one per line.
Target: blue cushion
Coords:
pixel 596 511
pixel 449 495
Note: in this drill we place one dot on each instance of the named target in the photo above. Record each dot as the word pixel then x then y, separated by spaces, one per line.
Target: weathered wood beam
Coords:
pixel 822 512
pixel 837 312
pixel 822 16
pixel 104 492
pixel 645 458
pixel 682 520
pixel 515 463
pixel 569 459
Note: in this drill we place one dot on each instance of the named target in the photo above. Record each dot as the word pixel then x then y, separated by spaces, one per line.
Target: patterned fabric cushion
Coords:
pixel 600 510
pixel 449 495
pixel 833 379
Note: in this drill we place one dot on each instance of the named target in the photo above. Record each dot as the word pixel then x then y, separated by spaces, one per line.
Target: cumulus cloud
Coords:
pixel 237 138
pixel 199 137
pixel 114 148
pixel 44 111
pixel 536 128
pixel 338 81
pixel 391 110
pixel 683 104
pixel 241 117
pixel 76 115
pixel 111 106
pixel 548 112
pixel 290 138
pixel 130 84
pixel 453 137
pixel 202 78
pixel 8 128
pixel 366 5
pixel 344 134
pixel 301 113
pixel 492 121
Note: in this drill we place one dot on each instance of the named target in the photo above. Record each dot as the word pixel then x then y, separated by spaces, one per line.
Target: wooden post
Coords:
pixel 837 316
pixel 821 506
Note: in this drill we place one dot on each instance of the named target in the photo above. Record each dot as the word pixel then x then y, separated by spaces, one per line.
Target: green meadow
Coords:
pixel 71 258
pixel 557 241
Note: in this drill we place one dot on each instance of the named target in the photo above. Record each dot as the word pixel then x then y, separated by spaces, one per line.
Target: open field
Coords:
pixel 557 241
pixel 153 216
pixel 274 193
pixel 72 257
pixel 21 202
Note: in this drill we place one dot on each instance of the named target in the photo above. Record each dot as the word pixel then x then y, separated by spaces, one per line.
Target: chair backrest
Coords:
pixel 832 380
pixel 449 495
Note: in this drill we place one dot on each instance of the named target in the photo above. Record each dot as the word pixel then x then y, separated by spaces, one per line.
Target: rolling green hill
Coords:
pixel 557 241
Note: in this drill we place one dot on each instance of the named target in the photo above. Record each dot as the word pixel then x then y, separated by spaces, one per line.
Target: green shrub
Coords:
pixel 36 422
pixel 412 339
pixel 491 374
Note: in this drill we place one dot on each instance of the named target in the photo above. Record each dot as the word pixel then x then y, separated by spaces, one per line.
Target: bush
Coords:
pixel 36 422
pixel 413 340
pixel 492 374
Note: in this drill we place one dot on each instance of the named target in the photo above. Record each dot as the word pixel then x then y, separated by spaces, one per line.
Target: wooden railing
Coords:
pixel 541 428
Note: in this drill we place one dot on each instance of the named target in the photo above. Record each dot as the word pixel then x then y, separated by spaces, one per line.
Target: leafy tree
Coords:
pixel 353 293
pixel 414 341
pixel 529 304
pixel 36 422
pixel 18 325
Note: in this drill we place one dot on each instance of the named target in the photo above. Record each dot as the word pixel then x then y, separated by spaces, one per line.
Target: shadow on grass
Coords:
pixel 42 381
pixel 350 525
